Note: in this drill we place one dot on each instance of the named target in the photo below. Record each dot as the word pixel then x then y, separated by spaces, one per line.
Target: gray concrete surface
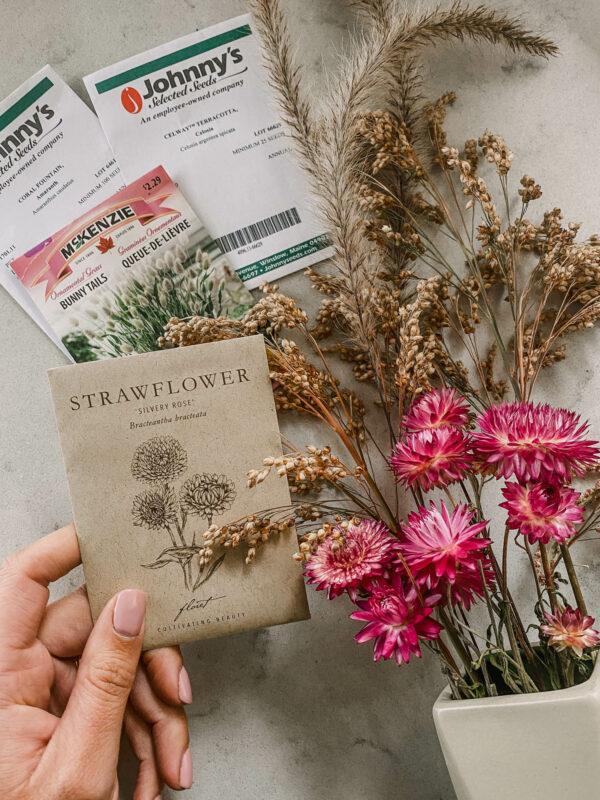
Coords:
pixel 300 712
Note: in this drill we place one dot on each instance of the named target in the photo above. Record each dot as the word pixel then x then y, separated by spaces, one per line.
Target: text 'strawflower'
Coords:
pixel 542 511
pixel 436 457
pixel 568 628
pixel 436 409
pixel 366 548
pixel 396 619
pixel 533 442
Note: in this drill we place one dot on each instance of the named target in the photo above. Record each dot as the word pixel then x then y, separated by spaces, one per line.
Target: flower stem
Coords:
pixel 533 570
pixel 448 655
pixel 449 496
pixel 507 598
pixel 458 645
pixel 512 618
pixel 180 533
pixel 564 549
pixel 548 576
pixel 172 535
pixel 185 576
pixel 514 644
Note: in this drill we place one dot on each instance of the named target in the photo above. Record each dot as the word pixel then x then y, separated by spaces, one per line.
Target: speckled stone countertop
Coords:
pixel 300 712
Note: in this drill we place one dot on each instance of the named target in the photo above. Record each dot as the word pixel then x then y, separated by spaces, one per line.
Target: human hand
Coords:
pixel 74 756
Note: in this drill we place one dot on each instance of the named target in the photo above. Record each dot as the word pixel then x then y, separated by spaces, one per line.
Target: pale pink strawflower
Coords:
pixel 436 457
pixel 366 548
pixel 437 544
pixel 533 442
pixel 568 628
pixel 436 409
pixel 542 511
pixel 396 619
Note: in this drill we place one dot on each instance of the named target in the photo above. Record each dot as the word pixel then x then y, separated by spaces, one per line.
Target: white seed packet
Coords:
pixel 200 105
pixel 55 163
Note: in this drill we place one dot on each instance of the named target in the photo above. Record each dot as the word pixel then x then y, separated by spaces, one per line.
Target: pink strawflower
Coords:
pixel 533 442
pixel 467 586
pixel 436 409
pixel 436 544
pixel 542 511
pixel 569 628
pixel 366 549
pixel 435 457
pixel 396 619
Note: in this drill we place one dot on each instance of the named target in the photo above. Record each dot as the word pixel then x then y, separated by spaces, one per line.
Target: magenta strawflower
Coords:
pixel 437 544
pixel 568 628
pixel 542 511
pixel 533 442
pixel 436 457
pixel 436 409
pixel 467 586
pixel 366 549
pixel 396 619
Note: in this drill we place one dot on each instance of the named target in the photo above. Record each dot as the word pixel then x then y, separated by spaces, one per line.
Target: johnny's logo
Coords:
pixel 131 100
pixel 216 67
pixel 30 130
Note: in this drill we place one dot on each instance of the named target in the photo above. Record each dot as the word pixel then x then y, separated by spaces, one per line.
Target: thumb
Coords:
pixel 90 728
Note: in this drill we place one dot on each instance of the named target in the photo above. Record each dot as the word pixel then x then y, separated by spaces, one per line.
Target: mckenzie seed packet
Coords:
pixel 201 106
pixel 157 448
pixel 55 163
pixel 108 282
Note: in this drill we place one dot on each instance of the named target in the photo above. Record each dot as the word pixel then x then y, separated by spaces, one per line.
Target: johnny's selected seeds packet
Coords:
pixel 201 106
pixel 55 164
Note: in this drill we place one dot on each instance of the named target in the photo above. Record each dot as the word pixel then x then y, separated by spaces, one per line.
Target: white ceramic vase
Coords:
pixel 542 746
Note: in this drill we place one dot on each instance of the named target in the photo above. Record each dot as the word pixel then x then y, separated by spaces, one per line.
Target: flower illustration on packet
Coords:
pixel 158 462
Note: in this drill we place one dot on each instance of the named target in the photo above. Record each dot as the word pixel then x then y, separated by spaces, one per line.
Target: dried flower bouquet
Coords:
pixel 447 305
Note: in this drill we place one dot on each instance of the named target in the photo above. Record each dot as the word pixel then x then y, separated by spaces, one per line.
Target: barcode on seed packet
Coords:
pixel 258 230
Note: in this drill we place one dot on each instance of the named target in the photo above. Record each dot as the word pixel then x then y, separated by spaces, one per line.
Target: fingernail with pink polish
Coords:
pixel 128 616
pixel 185 687
pixel 186 772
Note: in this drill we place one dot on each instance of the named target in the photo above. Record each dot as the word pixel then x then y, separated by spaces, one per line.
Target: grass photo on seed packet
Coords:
pixel 131 317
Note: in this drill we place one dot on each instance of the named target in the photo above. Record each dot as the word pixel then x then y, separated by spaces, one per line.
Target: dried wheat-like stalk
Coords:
pixel 329 147
pixel 376 11
pixel 288 81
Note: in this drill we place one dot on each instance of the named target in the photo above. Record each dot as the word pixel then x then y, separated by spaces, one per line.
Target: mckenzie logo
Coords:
pixel 196 74
pixel 99 226
pixel 55 257
pixel 131 100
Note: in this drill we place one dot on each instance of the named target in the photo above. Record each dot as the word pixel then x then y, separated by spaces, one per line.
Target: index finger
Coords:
pixel 24 579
